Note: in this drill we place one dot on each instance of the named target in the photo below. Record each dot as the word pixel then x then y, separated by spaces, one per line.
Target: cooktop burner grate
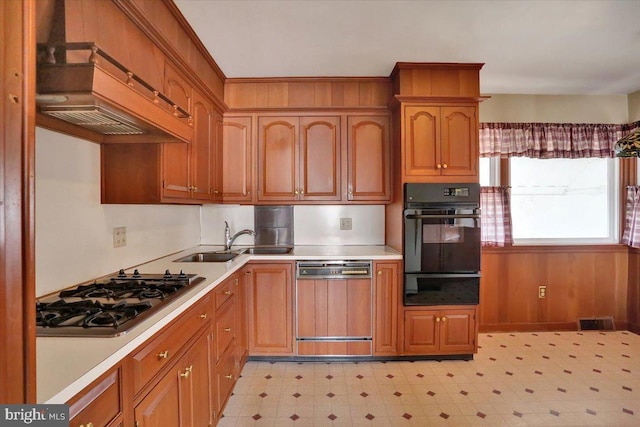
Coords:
pixel 108 307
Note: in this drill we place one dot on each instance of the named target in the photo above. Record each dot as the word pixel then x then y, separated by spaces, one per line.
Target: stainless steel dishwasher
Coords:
pixel 334 308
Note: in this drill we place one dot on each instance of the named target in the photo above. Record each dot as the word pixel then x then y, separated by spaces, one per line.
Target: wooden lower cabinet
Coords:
pixel 182 397
pixel 440 331
pixel 386 288
pixel 100 404
pixel 270 308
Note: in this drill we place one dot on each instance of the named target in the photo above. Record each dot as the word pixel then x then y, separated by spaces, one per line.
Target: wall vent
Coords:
pixel 596 324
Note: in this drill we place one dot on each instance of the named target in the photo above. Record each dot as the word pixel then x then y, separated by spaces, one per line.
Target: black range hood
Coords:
pixel 101 100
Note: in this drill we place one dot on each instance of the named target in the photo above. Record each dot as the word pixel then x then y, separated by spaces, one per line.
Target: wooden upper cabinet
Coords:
pixel 187 167
pixel 319 158
pixel 440 141
pixel 216 159
pixel 369 176
pixel 177 88
pixel 277 158
pixel 237 159
pixel 299 158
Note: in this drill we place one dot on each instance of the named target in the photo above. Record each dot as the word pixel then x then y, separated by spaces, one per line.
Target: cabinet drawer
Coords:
pixel 225 290
pixel 225 329
pixel 225 376
pixel 162 350
pixel 99 404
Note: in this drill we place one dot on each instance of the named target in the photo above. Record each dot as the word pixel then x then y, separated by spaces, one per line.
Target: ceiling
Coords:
pixel 528 47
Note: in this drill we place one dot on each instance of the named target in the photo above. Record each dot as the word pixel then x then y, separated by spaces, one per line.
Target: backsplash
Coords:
pixel 313 224
pixel 74 232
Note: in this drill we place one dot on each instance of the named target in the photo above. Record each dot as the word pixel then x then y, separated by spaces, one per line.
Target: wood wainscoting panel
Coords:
pixel 586 281
pixel 633 291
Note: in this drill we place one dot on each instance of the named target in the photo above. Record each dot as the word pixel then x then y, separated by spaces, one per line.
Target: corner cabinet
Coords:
pixel 440 141
pixel 269 289
pixel 440 330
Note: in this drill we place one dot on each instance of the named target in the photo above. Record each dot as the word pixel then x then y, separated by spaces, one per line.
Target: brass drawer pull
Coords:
pixel 227 329
pixel 163 355
pixel 88 425
pixel 227 292
pixel 187 372
pixel 203 316
pixel 229 377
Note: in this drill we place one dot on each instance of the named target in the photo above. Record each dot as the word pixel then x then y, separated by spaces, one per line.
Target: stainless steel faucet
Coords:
pixel 229 239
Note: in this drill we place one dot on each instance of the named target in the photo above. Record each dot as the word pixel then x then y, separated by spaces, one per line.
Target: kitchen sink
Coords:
pixel 209 257
pixel 269 250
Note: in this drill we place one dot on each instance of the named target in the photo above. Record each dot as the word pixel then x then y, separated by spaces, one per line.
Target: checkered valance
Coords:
pixel 549 140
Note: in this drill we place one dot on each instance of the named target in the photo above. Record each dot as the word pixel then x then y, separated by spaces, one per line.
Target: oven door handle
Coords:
pixel 440 216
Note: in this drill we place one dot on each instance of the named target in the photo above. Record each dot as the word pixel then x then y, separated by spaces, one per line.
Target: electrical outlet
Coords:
pixel 119 237
pixel 346 224
pixel 542 291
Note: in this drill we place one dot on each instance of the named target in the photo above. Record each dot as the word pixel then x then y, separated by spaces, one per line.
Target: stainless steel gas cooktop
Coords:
pixel 110 306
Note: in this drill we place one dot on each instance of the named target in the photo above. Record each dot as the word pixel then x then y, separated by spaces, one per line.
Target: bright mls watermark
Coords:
pixel 34 415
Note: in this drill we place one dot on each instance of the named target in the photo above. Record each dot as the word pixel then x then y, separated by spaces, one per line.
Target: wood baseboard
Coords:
pixel 548 327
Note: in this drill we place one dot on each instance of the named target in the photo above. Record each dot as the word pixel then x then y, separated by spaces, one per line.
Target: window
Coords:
pixel 489 171
pixel 564 201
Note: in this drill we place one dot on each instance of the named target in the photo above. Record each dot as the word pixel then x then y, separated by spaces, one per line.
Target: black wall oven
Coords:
pixel 441 244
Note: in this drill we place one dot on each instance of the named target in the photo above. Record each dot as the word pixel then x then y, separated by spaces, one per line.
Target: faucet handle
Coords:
pixel 226 224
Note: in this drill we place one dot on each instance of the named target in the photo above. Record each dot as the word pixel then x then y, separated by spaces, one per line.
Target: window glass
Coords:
pixel 485 171
pixel 564 199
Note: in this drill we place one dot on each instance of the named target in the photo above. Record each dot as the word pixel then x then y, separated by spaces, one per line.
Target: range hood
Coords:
pixel 101 100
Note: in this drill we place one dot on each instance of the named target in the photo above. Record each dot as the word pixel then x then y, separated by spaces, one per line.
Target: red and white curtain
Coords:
pixel 495 218
pixel 631 235
pixel 549 140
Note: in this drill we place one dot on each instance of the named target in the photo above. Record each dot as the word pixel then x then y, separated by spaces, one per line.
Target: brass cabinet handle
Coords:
pixel 444 319
pixel 88 425
pixel 163 355
pixel 227 292
pixel 295 192
pixel 187 372
pixel 302 192
pixel 248 192
pixel 229 377
pixel 203 316
pixel 227 329
pixel 438 166
pixel 444 166
pixel 379 272
pixel 437 319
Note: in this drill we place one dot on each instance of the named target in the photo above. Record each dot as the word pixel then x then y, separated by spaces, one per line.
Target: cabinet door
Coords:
pixel 177 88
pixel 216 158
pixel 242 345
pixel 320 158
pixel 200 379
pixel 278 158
pixel 368 158
pixel 161 407
pixel 457 331
pixel 421 332
pixel 386 284
pixel 237 159
pixel 176 170
pixel 270 309
pixel 421 140
pixel 201 153
pixel 459 141
pixel 100 405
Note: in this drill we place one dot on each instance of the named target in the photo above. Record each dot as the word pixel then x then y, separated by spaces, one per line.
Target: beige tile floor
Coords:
pixel 516 379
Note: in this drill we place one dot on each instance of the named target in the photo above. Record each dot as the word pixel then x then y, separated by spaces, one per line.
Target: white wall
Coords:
pixel 634 106
pixel 74 232
pixel 313 225
pixel 555 109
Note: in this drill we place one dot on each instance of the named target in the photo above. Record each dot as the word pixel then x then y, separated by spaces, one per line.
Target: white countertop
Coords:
pixel 66 365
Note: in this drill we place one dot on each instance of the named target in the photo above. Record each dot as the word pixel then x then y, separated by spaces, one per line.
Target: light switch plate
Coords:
pixel 119 237
pixel 346 224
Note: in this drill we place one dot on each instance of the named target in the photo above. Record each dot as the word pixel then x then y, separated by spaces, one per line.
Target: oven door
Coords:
pixel 441 289
pixel 444 240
